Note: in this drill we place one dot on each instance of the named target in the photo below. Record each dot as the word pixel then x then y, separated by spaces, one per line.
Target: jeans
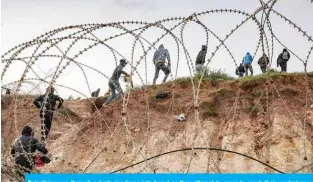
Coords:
pixel 46 124
pixel 248 67
pixel 114 85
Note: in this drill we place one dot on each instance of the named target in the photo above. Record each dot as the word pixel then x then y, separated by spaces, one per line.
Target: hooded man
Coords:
pixel 113 81
pixel 282 60
pixel 46 114
pixel 159 58
pixel 263 62
pixel 247 61
pixel 240 70
pixel 95 93
pixel 24 148
pixel 200 60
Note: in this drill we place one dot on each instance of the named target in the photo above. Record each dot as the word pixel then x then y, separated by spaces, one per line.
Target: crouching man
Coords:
pixel 24 148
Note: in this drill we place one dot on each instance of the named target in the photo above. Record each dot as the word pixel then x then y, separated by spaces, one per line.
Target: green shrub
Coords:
pixel 253 109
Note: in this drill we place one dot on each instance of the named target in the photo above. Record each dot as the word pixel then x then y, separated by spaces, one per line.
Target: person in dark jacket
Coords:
pixel 159 58
pixel 240 70
pixel 8 92
pixel 200 60
pixel 95 93
pixel 23 150
pixel 46 109
pixel 263 62
pixel 282 60
pixel 114 83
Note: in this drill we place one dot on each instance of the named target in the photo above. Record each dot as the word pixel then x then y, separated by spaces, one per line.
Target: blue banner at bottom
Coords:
pixel 169 177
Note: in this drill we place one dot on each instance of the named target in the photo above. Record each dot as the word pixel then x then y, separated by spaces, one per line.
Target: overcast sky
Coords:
pixel 22 21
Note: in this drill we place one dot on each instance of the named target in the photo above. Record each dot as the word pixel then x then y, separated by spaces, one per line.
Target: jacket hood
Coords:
pixel 161 46
pixel 248 53
pixel 28 131
pixel 204 47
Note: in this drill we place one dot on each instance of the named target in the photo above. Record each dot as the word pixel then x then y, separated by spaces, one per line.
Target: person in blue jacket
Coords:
pixel 247 63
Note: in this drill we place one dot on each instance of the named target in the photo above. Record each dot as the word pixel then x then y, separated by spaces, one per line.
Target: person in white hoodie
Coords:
pixel 159 58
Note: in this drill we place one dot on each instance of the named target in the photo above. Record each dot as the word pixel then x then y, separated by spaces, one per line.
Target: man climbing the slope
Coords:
pixel 159 61
pixel 200 60
pixel 247 63
pixel 95 93
pixel 282 60
pixel 114 83
pixel 24 148
pixel 46 114
pixel 263 62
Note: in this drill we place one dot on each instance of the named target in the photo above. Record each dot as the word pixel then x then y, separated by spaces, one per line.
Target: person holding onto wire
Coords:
pixel 114 83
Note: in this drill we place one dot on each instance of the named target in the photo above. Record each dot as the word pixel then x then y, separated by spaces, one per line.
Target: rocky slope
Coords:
pixel 267 118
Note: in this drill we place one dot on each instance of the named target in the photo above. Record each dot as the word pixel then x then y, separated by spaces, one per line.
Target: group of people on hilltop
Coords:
pixel 263 62
pixel 23 147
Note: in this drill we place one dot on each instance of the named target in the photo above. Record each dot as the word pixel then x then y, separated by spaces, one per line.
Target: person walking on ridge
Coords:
pixel 282 60
pixel 159 61
pixel 240 70
pixel 247 63
pixel 200 60
pixel 263 62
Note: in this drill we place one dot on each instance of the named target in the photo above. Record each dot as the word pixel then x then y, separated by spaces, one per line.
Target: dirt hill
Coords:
pixel 267 117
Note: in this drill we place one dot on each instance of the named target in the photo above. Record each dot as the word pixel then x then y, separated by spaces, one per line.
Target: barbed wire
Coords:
pixel 43 44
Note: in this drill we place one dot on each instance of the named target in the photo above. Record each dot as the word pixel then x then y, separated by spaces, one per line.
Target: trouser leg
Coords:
pixel 246 70
pixel 166 71
pixel 112 95
pixel 46 124
pixel 251 69
pixel 156 75
pixel 284 66
pixel 263 68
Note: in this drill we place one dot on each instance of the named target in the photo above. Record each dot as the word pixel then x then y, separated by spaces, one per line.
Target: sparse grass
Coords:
pixel 253 109
pixel 310 74
pixel 218 75
pixel 66 111
pixel 271 74
pixel 214 76
pixel 152 99
pixel 224 91
pixel 210 113
pixel 257 93
pixel 176 95
pixel 182 80
pixel 209 108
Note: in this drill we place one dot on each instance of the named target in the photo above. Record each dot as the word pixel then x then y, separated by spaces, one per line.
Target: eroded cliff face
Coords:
pixel 271 122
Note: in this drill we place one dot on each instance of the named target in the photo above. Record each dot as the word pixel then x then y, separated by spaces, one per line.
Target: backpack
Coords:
pixel 285 55
pixel 237 71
